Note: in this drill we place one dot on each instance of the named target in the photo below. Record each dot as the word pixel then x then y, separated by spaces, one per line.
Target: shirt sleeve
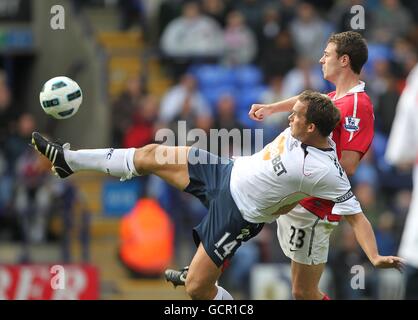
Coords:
pixel 336 187
pixel 357 123
pixel 347 205
pixel 403 141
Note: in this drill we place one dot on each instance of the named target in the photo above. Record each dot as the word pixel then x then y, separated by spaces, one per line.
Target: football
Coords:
pixel 61 97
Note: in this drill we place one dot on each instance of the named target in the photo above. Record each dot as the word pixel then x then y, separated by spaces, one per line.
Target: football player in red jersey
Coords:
pixel 305 231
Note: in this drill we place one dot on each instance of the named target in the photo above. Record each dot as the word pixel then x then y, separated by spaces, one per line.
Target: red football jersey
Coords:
pixel 354 133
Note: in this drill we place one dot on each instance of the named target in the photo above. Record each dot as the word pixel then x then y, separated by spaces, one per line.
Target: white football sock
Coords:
pixel 115 162
pixel 222 294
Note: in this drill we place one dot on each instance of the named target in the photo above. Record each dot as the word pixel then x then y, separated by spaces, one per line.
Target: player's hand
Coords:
pixel 385 262
pixel 259 111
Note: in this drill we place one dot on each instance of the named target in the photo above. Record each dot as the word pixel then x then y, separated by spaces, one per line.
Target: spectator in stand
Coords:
pixel 226 118
pixel 252 11
pixel 239 39
pixel 274 124
pixel 288 9
pixel 386 105
pixel 413 35
pixel 385 233
pixel 133 12
pixel 17 142
pixel 33 198
pixel 279 58
pixel 390 21
pixel 378 78
pixel 142 130
pixel 346 256
pixel 411 6
pixel 304 76
pixel 6 188
pixel 192 37
pixel 269 29
pixel 167 12
pixel 8 112
pixel 216 9
pixel 124 108
pixel 173 102
pixel 309 32
pixel 404 57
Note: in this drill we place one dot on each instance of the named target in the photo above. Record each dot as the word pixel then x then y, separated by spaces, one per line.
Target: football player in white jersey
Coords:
pixel 240 195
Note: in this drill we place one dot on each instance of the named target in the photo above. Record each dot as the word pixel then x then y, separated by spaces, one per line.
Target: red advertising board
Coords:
pixel 49 282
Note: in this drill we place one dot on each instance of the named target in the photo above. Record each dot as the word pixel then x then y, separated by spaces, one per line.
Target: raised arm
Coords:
pixel 259 111
pixel 366 238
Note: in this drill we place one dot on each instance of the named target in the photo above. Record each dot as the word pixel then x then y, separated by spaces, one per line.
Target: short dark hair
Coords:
pixel 320 111
pixel 354 45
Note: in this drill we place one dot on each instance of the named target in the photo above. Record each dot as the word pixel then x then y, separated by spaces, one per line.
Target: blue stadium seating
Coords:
pixel 248 76
pixel 209 76
pixel 377 52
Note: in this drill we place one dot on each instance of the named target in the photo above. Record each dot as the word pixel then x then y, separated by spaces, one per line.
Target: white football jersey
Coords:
pixel 283 173
pixel 403 148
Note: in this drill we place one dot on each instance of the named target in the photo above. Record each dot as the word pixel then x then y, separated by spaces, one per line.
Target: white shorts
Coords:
pixel 304 237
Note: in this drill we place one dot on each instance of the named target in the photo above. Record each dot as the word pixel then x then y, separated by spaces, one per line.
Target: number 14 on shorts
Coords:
pixel 223 248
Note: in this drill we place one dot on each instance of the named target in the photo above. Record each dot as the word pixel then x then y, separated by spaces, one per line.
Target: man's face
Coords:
pixel 330 62
pixel 297 121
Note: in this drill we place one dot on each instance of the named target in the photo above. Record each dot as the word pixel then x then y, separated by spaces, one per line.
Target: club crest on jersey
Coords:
pixel 351 124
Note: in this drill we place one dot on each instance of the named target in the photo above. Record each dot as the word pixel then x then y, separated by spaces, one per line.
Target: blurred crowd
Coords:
pixel 30 196
pixel 222 56
pixel 225 55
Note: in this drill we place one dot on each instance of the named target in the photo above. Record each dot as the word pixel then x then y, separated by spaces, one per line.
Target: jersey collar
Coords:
pixel 356 89
pixel 304 146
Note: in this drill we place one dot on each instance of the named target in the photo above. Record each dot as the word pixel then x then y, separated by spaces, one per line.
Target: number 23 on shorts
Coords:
pixel 297 237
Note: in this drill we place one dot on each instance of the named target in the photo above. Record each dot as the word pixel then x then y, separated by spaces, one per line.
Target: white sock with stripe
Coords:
pixel 115 162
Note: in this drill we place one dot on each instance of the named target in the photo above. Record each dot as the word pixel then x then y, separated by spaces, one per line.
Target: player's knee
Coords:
pixel 145 157
pixel 197 289
pixel 194 290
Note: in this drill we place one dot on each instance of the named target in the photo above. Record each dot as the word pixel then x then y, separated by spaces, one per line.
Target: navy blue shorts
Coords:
pixel 223 229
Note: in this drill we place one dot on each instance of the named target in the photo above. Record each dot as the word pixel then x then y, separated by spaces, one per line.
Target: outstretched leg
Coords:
pixel 169 163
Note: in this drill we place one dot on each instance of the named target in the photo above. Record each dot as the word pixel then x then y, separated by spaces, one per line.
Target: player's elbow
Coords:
pixel 355 219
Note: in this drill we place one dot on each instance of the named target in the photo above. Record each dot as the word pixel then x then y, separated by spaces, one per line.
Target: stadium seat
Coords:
pixel 209 76
pixel 248 76
pixel 377 52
